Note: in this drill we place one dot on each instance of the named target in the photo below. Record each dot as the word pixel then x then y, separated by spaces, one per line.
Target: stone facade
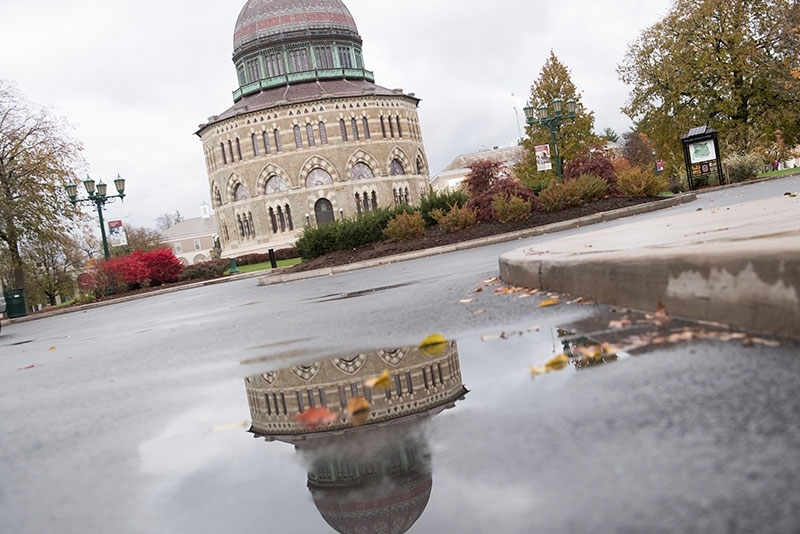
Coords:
pixel 306 145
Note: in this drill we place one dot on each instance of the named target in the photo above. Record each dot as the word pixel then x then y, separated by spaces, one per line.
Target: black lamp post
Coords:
pixel 553 121
pixel 98 197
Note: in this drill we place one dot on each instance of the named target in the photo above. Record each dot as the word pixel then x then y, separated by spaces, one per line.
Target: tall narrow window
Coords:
pixel 310 135
pixel 230 150
pixel 391 127
pixel 345 59
pixel 277 136
pixel 354 127
pixel 288 212
pixel 324 57
pixel 298 138
pixel 282 219
pixel 224 157
pixel 254 141
pixel 273 220
pixel 343 129
pixel 253 70
pixel 239 149
pixel 374 201
pixel 383 127
pixel 399 130
pixel 265 138
pixel 323 133
pixel 365 127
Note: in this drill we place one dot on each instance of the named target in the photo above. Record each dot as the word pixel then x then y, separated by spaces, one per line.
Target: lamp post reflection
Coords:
pixel 370 477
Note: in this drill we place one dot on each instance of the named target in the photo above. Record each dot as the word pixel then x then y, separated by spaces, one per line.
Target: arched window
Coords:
pixel 255 144
pixel 318 177
pixel 391 127
pixel 276 184
pixel 365 127
pixel 265 138
pixel 240 192
pixel 273 220
pixel 343 129
pixel 217 197
pixel 383 127
pixel 277 136
pixel 374 200
pixel 354 127
pixel 323 133
pixel 224 157
pixel 399 130
pixel 239 149
pixel 396 168
pixel 310 135
pixel 241 226
pixel 420 166
pixel 361 171
pixel 298 138
pixel 288 212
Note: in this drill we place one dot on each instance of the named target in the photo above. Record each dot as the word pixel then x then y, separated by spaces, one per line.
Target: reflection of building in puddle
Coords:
pixel 370 478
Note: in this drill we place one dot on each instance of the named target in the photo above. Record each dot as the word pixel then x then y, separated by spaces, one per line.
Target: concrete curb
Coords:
pixel 724 284
pixel 279 278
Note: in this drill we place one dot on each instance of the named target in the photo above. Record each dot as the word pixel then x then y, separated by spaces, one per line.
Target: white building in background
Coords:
pixel 192 240
pixel 451 177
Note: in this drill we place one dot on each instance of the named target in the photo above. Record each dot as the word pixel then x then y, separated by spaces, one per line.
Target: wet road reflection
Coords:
pixel 369 469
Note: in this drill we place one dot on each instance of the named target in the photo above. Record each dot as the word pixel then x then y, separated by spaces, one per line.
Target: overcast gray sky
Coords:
pixel 136 77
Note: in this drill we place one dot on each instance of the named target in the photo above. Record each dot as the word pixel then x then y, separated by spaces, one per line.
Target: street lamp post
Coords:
pixel 98 197
pixel 553 121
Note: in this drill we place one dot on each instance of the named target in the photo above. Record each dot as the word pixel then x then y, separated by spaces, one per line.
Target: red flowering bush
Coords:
pixel 162 266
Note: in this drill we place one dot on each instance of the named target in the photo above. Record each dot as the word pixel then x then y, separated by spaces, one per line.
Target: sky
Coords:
pixel 135 78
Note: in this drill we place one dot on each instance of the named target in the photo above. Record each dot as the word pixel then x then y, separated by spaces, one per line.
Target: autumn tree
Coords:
pixel 734 66
pixel 37 158
pixel 139 238
pixel 51 262
pixel 574 135
pixel 638 149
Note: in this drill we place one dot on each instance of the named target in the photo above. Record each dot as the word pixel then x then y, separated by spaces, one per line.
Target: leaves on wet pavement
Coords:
pixel 549 302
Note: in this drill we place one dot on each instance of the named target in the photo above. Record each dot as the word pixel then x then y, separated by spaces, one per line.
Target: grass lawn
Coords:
pixel 265 266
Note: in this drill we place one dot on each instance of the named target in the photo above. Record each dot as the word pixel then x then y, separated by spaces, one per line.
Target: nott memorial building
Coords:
pixel 310 137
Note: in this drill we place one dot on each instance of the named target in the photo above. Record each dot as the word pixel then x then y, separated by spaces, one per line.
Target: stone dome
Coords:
pixel 269 20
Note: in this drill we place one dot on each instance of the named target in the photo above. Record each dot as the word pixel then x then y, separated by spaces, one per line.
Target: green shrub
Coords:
pixel 638 182
pixel 315 242
pixel 538 181
pixel 454 219
pixel 405 226
pixel 560 195
pixel 591 187
pixel 442 201
pixel 512 208
pixel 482 204
pixel 743 167
pixel 207 270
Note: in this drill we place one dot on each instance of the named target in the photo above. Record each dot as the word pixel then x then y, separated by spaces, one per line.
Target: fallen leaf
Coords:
pixel 549 302
pixel 358 410
pixel 491 280
pixel 559 362
pixel 466 301
pixel 478 312
pixel 381 381
pixel 31 366
pixel 578 300
pixel 618 325
pixel 433 345
pixel 314 417
pixel 51 349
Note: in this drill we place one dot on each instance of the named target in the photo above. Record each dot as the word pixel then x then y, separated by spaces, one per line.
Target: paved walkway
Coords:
pixel 738 264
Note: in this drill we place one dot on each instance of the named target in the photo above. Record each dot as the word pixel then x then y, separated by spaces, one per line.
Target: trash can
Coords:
pixel 15 303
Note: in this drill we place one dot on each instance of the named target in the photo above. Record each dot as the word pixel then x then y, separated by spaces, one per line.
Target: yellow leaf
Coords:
pixel 549 302
pixel 539 370
pixel 559 362
pixel 433 345
pixel 381 381
pixel 51 349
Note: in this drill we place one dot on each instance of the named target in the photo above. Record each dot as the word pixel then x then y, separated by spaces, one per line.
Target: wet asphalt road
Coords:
pixel 131 418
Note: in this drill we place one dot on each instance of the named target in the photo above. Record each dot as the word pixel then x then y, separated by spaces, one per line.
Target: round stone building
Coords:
pixel 310 138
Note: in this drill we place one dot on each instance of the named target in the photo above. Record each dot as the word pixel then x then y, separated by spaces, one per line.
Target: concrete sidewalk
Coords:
pixel 738 264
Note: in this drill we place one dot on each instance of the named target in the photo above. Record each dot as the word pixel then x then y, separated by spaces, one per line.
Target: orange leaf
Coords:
pixel 549 302
pixel 358 410
pixel 314 417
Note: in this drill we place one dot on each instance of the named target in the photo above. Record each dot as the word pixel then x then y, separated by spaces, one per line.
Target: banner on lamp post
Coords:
pixel 543 161
pixel 116 234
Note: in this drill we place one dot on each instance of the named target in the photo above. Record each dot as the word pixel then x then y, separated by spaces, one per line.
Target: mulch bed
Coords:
pixel 434 237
